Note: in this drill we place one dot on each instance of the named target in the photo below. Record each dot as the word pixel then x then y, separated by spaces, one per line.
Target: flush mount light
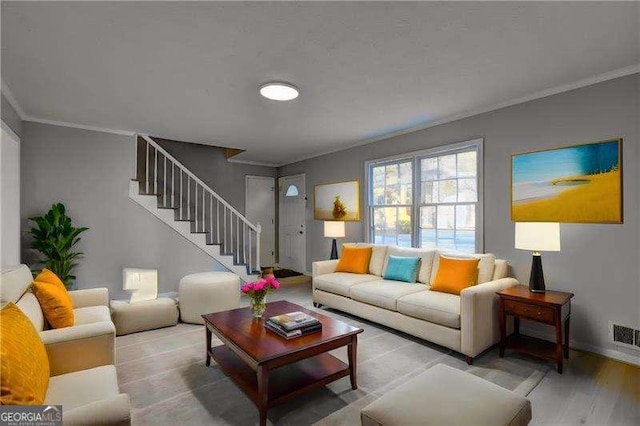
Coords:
pixel 279 91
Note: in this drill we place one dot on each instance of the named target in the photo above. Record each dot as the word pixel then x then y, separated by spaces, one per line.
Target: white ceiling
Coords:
pixel 191 71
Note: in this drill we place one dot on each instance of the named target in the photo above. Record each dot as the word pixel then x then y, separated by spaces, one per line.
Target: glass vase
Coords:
pixel 258 306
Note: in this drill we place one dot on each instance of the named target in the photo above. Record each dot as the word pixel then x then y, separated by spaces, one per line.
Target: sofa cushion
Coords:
pixel 341 282
pixel 92 314
pixel 378 256
pixel 485 267
pixel 82 387
pixel 30 306
pixel 384 293
pixel 15 281
pixel 426 262
pixel 354 260
pixel 24 372
pixel 432 306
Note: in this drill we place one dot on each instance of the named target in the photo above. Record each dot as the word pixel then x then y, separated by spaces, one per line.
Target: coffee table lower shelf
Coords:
pixel 284 382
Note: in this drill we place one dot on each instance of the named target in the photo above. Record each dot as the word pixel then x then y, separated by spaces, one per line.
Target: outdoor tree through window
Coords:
pixel 445 199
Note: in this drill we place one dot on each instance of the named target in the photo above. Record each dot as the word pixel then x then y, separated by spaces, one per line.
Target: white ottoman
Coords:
pixel 142 316
pixel 444 395
pixel 208 292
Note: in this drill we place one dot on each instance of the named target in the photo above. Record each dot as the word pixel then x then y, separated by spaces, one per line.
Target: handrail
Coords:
pixel 195 178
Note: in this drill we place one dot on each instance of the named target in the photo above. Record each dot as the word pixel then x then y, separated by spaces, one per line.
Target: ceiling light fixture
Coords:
pixel 279 91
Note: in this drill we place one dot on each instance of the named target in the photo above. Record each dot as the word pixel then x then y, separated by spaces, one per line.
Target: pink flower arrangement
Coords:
pixel 259 289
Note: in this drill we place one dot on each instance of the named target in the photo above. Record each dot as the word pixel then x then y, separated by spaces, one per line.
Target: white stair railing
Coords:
pixel 159 173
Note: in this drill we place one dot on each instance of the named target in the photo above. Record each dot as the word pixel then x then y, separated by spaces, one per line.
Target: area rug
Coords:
pixel 164 374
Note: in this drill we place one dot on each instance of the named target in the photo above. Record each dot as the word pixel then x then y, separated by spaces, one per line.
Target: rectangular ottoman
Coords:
pixel 446 396
pixel 142 316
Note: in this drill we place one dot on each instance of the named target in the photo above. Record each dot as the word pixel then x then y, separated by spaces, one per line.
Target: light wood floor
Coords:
pixel 593 390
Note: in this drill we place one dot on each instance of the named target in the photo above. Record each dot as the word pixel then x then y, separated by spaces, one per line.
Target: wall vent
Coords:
pixel 624 336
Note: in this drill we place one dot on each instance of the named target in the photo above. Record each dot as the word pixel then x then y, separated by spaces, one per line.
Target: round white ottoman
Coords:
pixel 207 292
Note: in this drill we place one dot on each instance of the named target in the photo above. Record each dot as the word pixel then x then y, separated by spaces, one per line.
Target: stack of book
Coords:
pixel 293 324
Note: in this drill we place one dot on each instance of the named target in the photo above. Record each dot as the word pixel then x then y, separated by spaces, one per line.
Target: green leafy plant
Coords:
pixel 54 236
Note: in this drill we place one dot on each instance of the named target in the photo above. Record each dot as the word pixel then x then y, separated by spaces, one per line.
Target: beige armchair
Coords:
pixel 89 343
pixel 81 358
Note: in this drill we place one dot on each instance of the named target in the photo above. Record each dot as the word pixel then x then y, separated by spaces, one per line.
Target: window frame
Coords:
pixel 415 157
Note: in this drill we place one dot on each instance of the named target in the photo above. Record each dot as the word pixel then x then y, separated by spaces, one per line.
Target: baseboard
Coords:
pixel 609 353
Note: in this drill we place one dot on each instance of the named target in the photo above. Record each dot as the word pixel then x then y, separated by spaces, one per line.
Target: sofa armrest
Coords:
pixel 90 297
pixel 115 411
pixel 323 267
pixel 479 324
pixel 80 347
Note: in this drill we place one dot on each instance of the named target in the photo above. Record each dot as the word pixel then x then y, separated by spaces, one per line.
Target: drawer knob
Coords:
pixel 539 313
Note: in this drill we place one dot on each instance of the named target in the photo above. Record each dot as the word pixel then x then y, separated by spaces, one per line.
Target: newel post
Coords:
pixel 258 231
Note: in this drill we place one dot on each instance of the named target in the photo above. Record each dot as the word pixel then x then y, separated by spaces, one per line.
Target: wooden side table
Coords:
pixel 552 308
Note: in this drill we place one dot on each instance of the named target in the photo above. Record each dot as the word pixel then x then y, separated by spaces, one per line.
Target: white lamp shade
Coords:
pixel 334 229
pixel 142 282
pixel 538 236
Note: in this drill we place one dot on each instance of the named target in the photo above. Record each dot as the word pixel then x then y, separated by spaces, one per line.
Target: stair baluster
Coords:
pixel 238 237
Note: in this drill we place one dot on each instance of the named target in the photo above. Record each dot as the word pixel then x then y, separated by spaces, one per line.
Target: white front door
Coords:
pixel 260 207
pixel 292 203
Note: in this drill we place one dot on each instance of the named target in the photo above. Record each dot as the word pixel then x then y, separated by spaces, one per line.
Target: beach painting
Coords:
pixel 337 201
pixel 576 184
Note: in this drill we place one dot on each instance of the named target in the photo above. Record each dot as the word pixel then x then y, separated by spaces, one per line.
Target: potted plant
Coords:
pixel 54 236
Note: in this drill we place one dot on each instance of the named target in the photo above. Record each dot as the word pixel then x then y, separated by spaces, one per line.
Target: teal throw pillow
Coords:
pixel 402 269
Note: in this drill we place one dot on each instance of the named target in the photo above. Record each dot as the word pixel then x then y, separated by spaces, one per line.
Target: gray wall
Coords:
pixel 210 164
pixel 90 172
pixel 599 263
pixel 11 117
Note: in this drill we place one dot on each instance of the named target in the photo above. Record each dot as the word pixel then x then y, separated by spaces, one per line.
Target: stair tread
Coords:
pixel 227 258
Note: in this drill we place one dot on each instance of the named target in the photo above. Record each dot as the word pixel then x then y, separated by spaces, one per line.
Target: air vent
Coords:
pixel 624 336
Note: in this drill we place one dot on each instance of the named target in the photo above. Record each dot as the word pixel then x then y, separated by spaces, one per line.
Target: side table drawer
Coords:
pixel 534 312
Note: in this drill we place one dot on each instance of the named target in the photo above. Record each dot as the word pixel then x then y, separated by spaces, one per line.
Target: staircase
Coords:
pixel 177 197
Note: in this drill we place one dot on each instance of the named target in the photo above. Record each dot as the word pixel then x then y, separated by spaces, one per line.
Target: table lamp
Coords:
pixel 334 229
pixel 537 236
pixel 143 283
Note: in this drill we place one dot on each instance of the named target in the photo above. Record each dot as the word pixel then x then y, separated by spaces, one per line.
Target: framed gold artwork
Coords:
pixel 337 201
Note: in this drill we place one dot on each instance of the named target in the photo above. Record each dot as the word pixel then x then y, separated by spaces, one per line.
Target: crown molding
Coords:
pixel 621 72
pixel 7 129
pixel 252 163
pixel 12 101
pixel 81 126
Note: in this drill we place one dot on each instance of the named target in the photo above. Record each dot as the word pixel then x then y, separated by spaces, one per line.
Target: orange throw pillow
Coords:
pixel 354 260
pixel 54 299
pixel 454 275
pixel 24 370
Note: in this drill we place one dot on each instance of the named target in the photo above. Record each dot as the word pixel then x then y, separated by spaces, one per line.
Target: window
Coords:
pixel 440 188
pixel 292 191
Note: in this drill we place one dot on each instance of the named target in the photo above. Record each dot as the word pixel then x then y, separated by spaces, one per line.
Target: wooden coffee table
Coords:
pixel 271 369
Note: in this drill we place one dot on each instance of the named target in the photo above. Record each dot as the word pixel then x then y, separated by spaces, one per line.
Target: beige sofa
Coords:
pixel 81 358
pixel 467 323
